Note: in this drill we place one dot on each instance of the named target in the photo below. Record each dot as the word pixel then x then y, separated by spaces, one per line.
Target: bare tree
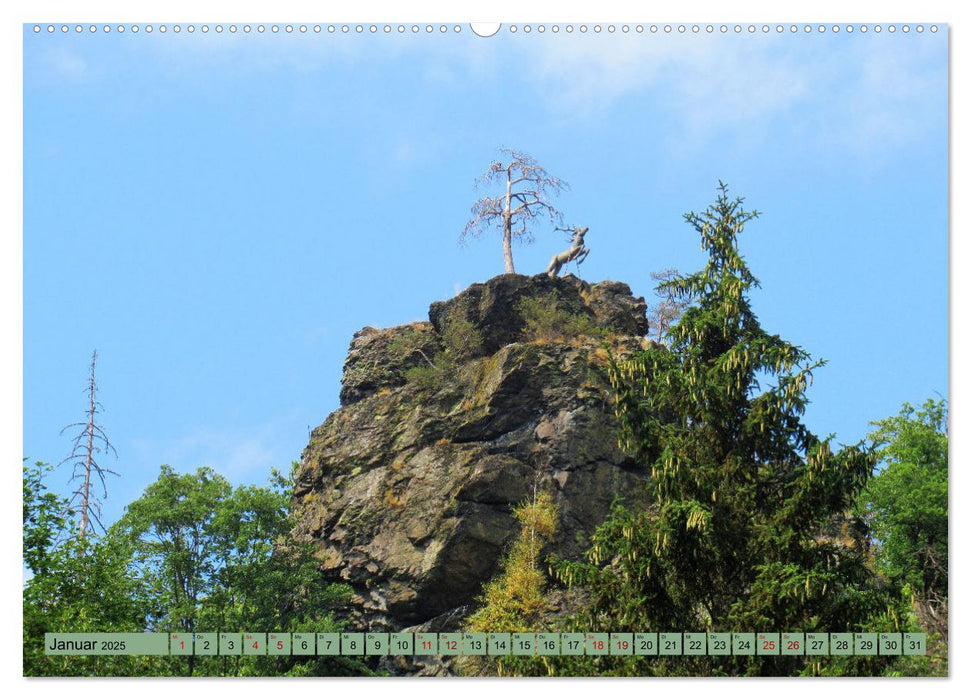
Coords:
pixel 528 188
pixel 88 443
pixel 668 310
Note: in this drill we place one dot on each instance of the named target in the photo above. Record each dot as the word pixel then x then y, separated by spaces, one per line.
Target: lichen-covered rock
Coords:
pixel 492 309
pixel 408 488
pixel 614 307
pixel 379 359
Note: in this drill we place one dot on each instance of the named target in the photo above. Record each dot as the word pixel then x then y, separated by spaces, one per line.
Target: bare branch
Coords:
pixel 526 205
pixel 528 187
pixel 92 440
pixel 673 301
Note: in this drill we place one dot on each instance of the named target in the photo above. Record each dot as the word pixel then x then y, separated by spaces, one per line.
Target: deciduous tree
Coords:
pixel 905 503
pixel 75 584
pixel 222 558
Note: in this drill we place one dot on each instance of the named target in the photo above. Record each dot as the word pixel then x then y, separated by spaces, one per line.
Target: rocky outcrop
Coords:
pixel 493 308
pixel 379 359
pixel 408 488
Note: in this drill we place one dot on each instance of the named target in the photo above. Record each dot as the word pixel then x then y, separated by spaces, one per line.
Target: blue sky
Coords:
pixel 218 214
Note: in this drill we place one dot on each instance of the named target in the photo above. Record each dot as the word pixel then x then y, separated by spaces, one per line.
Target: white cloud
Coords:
pixel 859 91
pixel 252 54
pixel 889 95
pixel 241 454
pixel 703 77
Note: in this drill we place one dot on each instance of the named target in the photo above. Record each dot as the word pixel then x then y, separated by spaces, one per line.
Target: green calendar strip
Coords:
pixel 116 644
pixel 491 644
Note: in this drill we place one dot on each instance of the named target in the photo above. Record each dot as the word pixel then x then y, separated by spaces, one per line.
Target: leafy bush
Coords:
pixel 461 336
pixel 430 376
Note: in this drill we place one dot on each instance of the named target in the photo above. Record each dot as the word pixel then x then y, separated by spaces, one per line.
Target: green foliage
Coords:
pixel 431 377
pixel 906 500
pixel 743 493
pixel 461 340
pixel 192 554
pixel 76 584
pixel 515 601
pixel 411 345
pixel 176 532
pixel 45 518
pixel 461 337
pixel 546 320
pixel 905 504
pixel 220 558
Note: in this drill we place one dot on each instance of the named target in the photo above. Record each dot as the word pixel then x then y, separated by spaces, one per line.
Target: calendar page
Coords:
pixel 448 349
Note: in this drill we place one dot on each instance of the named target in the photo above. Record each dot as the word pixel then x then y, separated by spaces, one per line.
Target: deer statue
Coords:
pixel 577 251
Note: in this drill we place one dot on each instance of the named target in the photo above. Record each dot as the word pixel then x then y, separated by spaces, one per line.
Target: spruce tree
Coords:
pixel 745 527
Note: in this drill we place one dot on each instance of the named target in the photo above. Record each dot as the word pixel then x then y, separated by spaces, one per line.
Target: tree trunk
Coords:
pixel 507 250
pixel 86 489
pixel 507 226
